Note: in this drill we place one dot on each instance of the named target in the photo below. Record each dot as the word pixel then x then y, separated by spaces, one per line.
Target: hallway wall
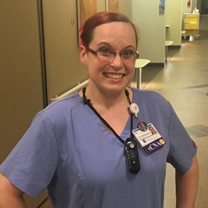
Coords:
pixel 203 22
pixel 151 27
pixel 174 20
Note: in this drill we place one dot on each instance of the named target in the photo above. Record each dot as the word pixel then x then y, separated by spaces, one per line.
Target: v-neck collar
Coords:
pixel 126 132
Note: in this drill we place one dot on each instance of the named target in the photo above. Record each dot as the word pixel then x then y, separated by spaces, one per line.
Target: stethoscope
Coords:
pixel 130 145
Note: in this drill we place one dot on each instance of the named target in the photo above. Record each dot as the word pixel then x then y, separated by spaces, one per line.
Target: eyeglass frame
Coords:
pixel 114 53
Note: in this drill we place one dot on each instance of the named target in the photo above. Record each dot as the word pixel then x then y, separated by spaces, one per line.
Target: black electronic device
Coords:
pixel 132 156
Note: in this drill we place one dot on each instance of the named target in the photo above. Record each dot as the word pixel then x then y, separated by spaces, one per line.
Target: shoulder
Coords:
pixel 64 105
pixel 148 96
pixel 58 112
pixel 153 103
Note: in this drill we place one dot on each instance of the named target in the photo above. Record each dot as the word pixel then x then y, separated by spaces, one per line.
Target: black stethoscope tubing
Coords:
pixel 87 101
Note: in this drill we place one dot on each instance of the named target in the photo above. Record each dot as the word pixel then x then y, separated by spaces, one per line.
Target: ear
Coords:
pixel 83 55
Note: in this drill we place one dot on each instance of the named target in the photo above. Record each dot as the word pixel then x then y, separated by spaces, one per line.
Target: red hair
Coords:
pixel 103 18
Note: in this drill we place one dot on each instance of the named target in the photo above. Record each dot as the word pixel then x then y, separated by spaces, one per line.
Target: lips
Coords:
pixel 114 76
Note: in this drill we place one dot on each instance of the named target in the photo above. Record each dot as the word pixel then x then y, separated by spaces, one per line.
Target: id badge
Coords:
pixel 150 139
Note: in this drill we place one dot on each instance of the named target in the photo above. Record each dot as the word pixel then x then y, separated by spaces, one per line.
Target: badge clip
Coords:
pixel 134 109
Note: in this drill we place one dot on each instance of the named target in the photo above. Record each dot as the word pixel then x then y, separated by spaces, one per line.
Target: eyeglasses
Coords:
pixel 105 54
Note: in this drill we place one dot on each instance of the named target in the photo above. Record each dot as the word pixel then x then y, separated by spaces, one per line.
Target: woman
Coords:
pixel 93 149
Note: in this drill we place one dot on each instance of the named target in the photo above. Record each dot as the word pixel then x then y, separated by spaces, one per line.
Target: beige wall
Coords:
pixel 63 67
pixel 20 73
pixel 20 86
pixel 152 30
pixel 174 20
pixel 126 8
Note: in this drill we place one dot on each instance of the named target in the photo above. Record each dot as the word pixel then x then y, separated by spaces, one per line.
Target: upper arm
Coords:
pixel 182 149
pixel 7 188
pixel 187 185
pixel 193 171
pixel 10 196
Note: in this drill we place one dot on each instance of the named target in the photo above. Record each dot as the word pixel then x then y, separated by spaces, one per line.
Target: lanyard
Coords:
pixel 130 145
pixel 87 101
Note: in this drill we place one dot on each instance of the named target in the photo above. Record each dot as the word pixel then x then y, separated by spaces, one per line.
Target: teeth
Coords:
pixel 114 76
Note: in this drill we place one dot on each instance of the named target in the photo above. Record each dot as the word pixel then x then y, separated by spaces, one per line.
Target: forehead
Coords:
pixel 115 33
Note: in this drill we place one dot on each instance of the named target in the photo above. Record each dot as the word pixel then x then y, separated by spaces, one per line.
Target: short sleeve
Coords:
pixel 182 148
pixel 31 164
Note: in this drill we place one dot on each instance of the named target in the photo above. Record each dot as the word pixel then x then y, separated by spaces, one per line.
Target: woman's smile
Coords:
pixel 114 75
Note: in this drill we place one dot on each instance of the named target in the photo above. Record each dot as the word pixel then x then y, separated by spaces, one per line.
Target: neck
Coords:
pixel 109 99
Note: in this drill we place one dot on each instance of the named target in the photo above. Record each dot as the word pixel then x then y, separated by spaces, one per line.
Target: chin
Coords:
pixel 115 88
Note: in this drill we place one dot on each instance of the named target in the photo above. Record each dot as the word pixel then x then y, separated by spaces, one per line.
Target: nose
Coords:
pixel 117 61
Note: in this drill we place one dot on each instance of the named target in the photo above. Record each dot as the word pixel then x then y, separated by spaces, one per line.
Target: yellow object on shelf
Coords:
pixel 191 23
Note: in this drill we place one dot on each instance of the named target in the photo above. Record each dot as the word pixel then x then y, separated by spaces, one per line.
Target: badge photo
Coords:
pixel 149 139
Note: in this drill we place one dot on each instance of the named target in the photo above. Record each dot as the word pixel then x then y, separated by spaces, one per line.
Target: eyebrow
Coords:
pixel 109 45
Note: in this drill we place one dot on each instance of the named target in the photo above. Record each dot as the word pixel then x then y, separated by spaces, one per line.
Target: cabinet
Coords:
pixel 191 24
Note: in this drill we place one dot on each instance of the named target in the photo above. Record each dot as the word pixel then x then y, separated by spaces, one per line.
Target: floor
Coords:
pixel 183 80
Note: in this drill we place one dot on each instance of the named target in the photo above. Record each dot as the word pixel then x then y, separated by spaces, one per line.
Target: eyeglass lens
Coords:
pixel 126 55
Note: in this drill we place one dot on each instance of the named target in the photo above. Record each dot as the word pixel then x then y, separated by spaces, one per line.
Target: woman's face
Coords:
pixel 110 73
